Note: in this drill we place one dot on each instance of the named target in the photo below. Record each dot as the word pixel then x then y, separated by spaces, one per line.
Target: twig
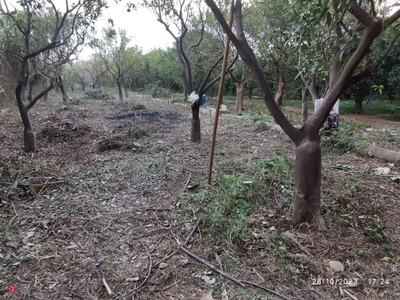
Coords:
pixel 165 258
pixel 187 181
pixel 78 295
pixel 191 234
pixel 150 267
pixel 155 246
pixel 147 276
pixel 16 215
pixel 265 289
pixel 98 264
pixel 349 294
pixel 211 266
pixel 219 271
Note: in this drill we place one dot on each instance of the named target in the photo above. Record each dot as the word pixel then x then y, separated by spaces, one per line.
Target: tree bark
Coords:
pixel 239 95
pixel 358 106
pixel 307 173
pixel 250 92
pixel 64 92
pixel 29 135
pixel 120 94
pixel 378 152
pixel 196 128
pixel 304 105
pixel 307 184
pixel 279 92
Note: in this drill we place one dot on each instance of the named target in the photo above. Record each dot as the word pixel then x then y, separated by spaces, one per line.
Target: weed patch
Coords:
pixel 345 138
pixel 229 208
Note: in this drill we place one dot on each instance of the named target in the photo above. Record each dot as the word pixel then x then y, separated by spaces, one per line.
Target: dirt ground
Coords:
pixel 106 209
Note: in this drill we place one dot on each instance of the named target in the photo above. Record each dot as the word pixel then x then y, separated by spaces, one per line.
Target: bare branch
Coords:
pixel 249 58
pixel 44 92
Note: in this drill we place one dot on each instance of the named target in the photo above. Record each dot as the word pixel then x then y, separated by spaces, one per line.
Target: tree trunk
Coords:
pixel 250 92
pixel 239 95
pixel 64 93
pixel 120 94
pixel 196 129
pixel 126 90
pixel 307 184
pixel 304 105
pixel 279 92
pixel 358 106
pixel 29 135
pixel 30 91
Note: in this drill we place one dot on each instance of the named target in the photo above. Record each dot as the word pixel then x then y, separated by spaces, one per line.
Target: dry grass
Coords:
pixel 102 207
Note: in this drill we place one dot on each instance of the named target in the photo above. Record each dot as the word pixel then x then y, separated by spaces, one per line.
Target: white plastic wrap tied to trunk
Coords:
pixel 334 110
pixel 333 119
pixel 193 97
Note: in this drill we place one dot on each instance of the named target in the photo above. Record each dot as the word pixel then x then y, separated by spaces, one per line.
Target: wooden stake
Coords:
pixel 220 91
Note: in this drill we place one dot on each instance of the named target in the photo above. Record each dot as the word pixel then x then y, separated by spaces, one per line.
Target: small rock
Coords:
pixel 163 265
pixel 382 171
pixel 336 266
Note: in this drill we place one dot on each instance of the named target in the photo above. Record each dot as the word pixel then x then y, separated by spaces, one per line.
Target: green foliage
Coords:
pixel 378 88
pixel 229 207
pixel 159 92
pixel 376 107
pixel 387 134
pixel 259 116
pixel 98 94
pixel 278 249
pixel 343 139
pixel 277 171
pixel 390 251
pixel 374 227
pixel 361 252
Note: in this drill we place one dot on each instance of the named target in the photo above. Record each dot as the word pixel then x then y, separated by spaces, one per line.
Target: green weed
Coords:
pixel 278 249
pixel 344 139
pixel 390 251
pixel 259 116
pixel 229 208
pixel 277 171
pixel 98 94
pixel 374 227
pixel 374 108
pixel 387 134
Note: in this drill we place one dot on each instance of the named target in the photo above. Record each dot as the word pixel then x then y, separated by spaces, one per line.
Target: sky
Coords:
pixel 142 26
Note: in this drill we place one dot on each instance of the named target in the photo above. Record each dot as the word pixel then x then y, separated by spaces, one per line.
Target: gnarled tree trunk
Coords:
pixel 64 92
pixel 29 135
